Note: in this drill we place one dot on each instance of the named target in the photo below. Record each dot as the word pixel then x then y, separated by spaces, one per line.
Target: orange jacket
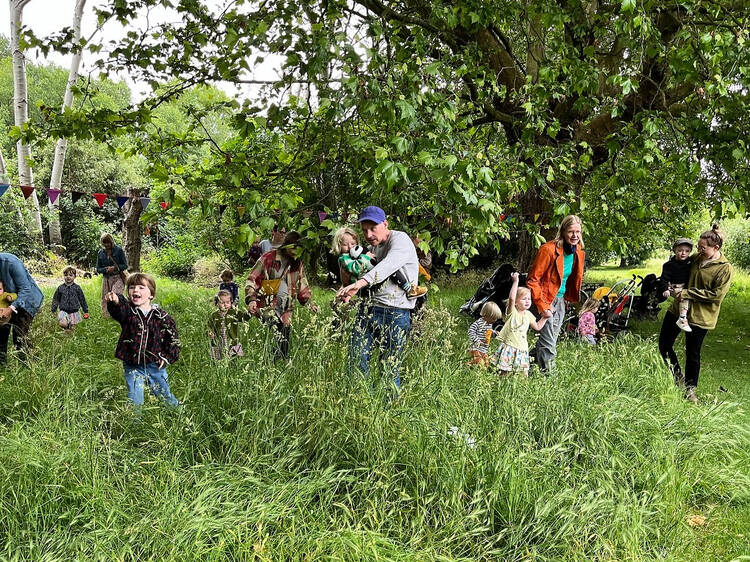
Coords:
pixel 545 276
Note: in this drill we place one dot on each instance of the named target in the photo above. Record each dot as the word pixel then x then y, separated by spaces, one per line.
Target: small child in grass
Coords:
pixel 224 325
pixel 6 299
pixel 480 333
pixel 228 284
pixel 355 262
pixel 68 301
pixel 587 329
pixel 513 353
pixel 674 277
pixel 148 340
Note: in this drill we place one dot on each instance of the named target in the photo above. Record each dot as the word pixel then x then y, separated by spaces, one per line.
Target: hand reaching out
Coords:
pixel 112 297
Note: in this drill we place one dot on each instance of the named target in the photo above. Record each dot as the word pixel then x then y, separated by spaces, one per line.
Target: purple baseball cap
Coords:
pixel 372 213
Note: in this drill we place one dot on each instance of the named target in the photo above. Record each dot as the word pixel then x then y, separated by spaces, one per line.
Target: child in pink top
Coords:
pixel 587 320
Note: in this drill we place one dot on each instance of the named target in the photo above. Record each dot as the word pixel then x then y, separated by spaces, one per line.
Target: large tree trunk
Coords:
pixel 21 113
pixel 55 236
pixel 532 205
pixel 131 230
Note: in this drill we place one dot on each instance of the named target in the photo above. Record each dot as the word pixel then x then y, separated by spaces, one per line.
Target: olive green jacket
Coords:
pixel 707 286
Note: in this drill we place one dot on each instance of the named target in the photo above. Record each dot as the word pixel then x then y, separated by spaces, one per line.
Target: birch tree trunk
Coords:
pixel 131 230
pixel 55 236
pixel 21 113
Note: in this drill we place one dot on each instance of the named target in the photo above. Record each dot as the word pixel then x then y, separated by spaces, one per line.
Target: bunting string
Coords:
pixel 101 198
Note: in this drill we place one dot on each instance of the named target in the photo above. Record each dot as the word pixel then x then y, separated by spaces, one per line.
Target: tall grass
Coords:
pixel 299 461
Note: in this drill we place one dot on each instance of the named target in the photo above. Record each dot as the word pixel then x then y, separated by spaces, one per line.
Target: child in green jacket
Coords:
pixel 224 327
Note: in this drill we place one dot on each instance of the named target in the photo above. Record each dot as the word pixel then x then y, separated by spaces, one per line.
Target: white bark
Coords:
pixel 21 113
pixel 55 236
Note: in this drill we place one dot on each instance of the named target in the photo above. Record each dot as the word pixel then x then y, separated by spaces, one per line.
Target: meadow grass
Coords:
pixel 300 461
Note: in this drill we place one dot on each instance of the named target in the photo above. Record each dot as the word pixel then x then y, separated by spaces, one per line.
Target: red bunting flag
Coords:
pixel 163 205
pixel 100 198
pixel 27 190
pixel 53 194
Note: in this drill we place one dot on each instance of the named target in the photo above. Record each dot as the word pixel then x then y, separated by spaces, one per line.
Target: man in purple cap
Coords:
pixel 384 317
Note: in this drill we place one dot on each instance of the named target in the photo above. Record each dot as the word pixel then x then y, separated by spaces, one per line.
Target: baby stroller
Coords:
pixel 616 306
pixel 647 303
pixel 495 288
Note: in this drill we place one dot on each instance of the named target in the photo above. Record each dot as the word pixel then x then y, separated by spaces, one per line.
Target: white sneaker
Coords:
pixel 682 323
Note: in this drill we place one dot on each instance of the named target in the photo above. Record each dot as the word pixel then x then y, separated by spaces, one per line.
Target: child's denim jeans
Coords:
pixel 137 375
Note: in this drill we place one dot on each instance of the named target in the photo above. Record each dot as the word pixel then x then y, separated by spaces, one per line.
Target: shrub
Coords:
pixel 13 239
pixel 737 243
pixel 176 259
pixel 81 239
pixel 206 270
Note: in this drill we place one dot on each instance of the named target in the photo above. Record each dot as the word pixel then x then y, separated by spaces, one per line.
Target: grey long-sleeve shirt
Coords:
pixel 396 253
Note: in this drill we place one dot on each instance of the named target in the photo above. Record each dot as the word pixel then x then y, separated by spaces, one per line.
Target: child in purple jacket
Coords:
pixel 148 341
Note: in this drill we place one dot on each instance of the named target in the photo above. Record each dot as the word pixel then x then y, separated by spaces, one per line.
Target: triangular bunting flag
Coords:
pixel 3 188
pixel 145 201
pixel 121 200
pixel 27 190
pixel 222 208
pixel 163 205
pixel 536 217
pixel 241 211
pixel 75 196
pixel 307 213
pixel 322 215
pixel 100 198
pixel 53 194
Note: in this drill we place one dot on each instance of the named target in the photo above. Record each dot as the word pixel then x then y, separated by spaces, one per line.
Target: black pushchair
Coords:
pixel 495 288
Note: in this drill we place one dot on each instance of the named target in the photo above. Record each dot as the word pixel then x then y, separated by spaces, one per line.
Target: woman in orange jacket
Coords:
pixel 555 277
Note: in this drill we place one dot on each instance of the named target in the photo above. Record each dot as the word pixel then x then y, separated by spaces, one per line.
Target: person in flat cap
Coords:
pixel 383 319
pixel 674 277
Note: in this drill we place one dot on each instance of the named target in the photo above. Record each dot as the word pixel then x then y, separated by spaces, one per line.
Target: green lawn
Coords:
pixel 300 461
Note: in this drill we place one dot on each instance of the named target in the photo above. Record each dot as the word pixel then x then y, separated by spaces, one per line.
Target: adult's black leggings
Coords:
pixel 693 343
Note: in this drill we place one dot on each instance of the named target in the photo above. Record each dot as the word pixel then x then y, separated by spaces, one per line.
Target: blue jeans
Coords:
pixel 386 328
pixel 137 375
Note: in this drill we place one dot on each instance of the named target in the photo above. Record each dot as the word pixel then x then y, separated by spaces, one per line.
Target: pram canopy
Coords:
pixel 495 288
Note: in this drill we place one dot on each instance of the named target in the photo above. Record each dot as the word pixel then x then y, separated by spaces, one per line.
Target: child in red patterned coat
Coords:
pixel 148 341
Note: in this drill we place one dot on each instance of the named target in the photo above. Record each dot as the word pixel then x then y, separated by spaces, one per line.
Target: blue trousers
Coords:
pixel 382 327
pixel 137 376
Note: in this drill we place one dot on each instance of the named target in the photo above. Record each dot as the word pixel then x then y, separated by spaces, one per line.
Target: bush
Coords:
pixel 207 269
pixel 177 259
pixel 737 243
pixel 14 239
pixel 81 239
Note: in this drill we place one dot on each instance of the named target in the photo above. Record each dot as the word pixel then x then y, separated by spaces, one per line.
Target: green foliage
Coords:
pixel 437 112
pixel 287 461
pixel 176 258
pixel 82 230
pixel 15 239
pixel 737 243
